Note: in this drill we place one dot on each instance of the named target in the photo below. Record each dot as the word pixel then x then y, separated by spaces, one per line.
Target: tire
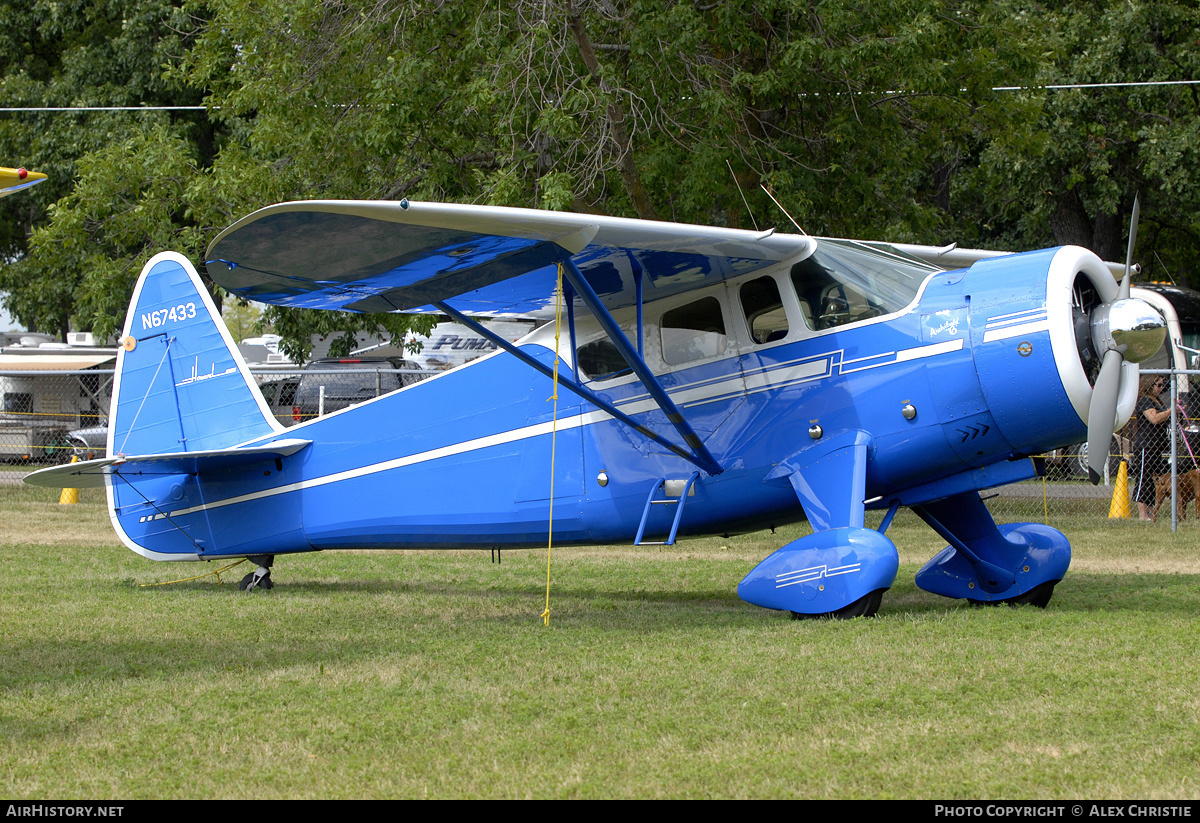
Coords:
pixel 865 606
pixel 1038 596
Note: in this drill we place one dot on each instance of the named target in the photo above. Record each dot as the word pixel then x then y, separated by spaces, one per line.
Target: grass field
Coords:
pixel 420 674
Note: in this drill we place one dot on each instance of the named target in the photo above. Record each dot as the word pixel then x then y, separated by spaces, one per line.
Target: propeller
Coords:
pixel 1124 330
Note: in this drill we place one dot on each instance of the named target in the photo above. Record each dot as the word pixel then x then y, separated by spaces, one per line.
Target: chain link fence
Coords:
pixel 40 408
pixel 1152 463
pixel 47 417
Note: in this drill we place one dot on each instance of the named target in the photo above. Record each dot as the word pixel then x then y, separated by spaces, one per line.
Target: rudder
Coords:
pixel 181 384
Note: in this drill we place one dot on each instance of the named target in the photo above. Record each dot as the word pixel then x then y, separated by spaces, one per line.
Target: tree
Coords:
pixel 123 185
pixel 98 53
pixel 853 113
pixel 1071 174
pixel 871 120
pixel 242 318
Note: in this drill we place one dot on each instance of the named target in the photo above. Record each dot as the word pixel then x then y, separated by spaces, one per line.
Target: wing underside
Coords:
pixel 400 256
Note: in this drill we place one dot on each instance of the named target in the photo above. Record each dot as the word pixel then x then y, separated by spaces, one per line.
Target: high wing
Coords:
pixel 374 256
pixel 386 256
pixel 459 260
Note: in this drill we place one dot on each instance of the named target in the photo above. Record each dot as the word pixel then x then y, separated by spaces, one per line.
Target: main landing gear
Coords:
pixel 260 578
pixel 841 573
pixel 1017 564
pixel 834 574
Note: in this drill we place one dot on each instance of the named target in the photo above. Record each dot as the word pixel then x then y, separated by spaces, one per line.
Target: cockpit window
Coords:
pixel 693 331
pixel 844 282
pixel 600 360
pixel 764 310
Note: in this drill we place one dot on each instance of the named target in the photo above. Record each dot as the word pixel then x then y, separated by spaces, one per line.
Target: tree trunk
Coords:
pixel 1105 234
pixel 1069 221
pixel 616 119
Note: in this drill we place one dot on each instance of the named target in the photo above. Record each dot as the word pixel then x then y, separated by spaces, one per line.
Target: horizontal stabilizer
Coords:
pixel 92 473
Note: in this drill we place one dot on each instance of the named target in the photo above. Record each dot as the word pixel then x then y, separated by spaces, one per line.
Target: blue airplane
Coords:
pixel 710 381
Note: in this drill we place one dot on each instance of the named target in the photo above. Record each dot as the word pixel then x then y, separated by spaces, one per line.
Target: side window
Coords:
pixel 600 360
pixel 765 316
pixel 810 279
pixel 693 331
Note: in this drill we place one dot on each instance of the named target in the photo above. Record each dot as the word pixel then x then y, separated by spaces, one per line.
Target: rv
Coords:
pixel 48 390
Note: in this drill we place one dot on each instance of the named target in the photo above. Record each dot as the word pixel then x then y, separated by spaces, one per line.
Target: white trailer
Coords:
pixel 46 392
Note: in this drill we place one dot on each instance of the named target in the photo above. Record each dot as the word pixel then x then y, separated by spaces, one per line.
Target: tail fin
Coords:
pixel 182 388
pixel 181 384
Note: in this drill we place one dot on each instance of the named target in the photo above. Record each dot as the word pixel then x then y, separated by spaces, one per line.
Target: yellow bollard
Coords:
pixel 69 496
pixel 1120 499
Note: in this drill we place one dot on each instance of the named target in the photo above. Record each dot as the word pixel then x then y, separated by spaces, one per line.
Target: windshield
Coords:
pixel 844 282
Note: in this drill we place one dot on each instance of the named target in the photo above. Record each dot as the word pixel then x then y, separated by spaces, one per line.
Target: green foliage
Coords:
pixel 874 120
pixel 847 112
pixel 297 326
pixel 129 203
pixel 1070 174
pixel 243 319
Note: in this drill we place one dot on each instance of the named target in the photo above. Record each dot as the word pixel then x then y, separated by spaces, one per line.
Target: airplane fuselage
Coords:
pixel 950 393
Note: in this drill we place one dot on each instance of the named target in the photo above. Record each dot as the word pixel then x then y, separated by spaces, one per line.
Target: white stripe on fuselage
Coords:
pixel 1015 317
pixel 1017 324
pixel 793 372
pixel 1022 330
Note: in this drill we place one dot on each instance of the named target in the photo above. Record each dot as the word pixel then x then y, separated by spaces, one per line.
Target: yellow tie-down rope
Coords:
pixel 553 436
pixel 217 572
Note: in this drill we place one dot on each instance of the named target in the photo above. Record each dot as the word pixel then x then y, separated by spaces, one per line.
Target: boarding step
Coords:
pixel 674 492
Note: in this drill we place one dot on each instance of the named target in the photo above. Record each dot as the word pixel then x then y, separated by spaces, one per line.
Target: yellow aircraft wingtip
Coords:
pixel 16 179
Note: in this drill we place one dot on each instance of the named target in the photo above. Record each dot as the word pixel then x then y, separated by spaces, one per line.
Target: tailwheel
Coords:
pixel 1037 596
pixel 260 578
pixel 865 606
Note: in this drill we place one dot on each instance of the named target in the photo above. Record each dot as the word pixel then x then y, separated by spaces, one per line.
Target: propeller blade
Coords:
pixel 1102 413
pixel 1123 291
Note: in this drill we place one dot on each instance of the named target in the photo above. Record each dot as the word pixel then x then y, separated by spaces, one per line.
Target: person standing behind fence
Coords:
pixel 1150 419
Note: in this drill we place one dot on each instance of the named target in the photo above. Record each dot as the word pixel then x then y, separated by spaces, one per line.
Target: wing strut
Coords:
pixel 702 457
pixel 712 467
pixel 638 291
